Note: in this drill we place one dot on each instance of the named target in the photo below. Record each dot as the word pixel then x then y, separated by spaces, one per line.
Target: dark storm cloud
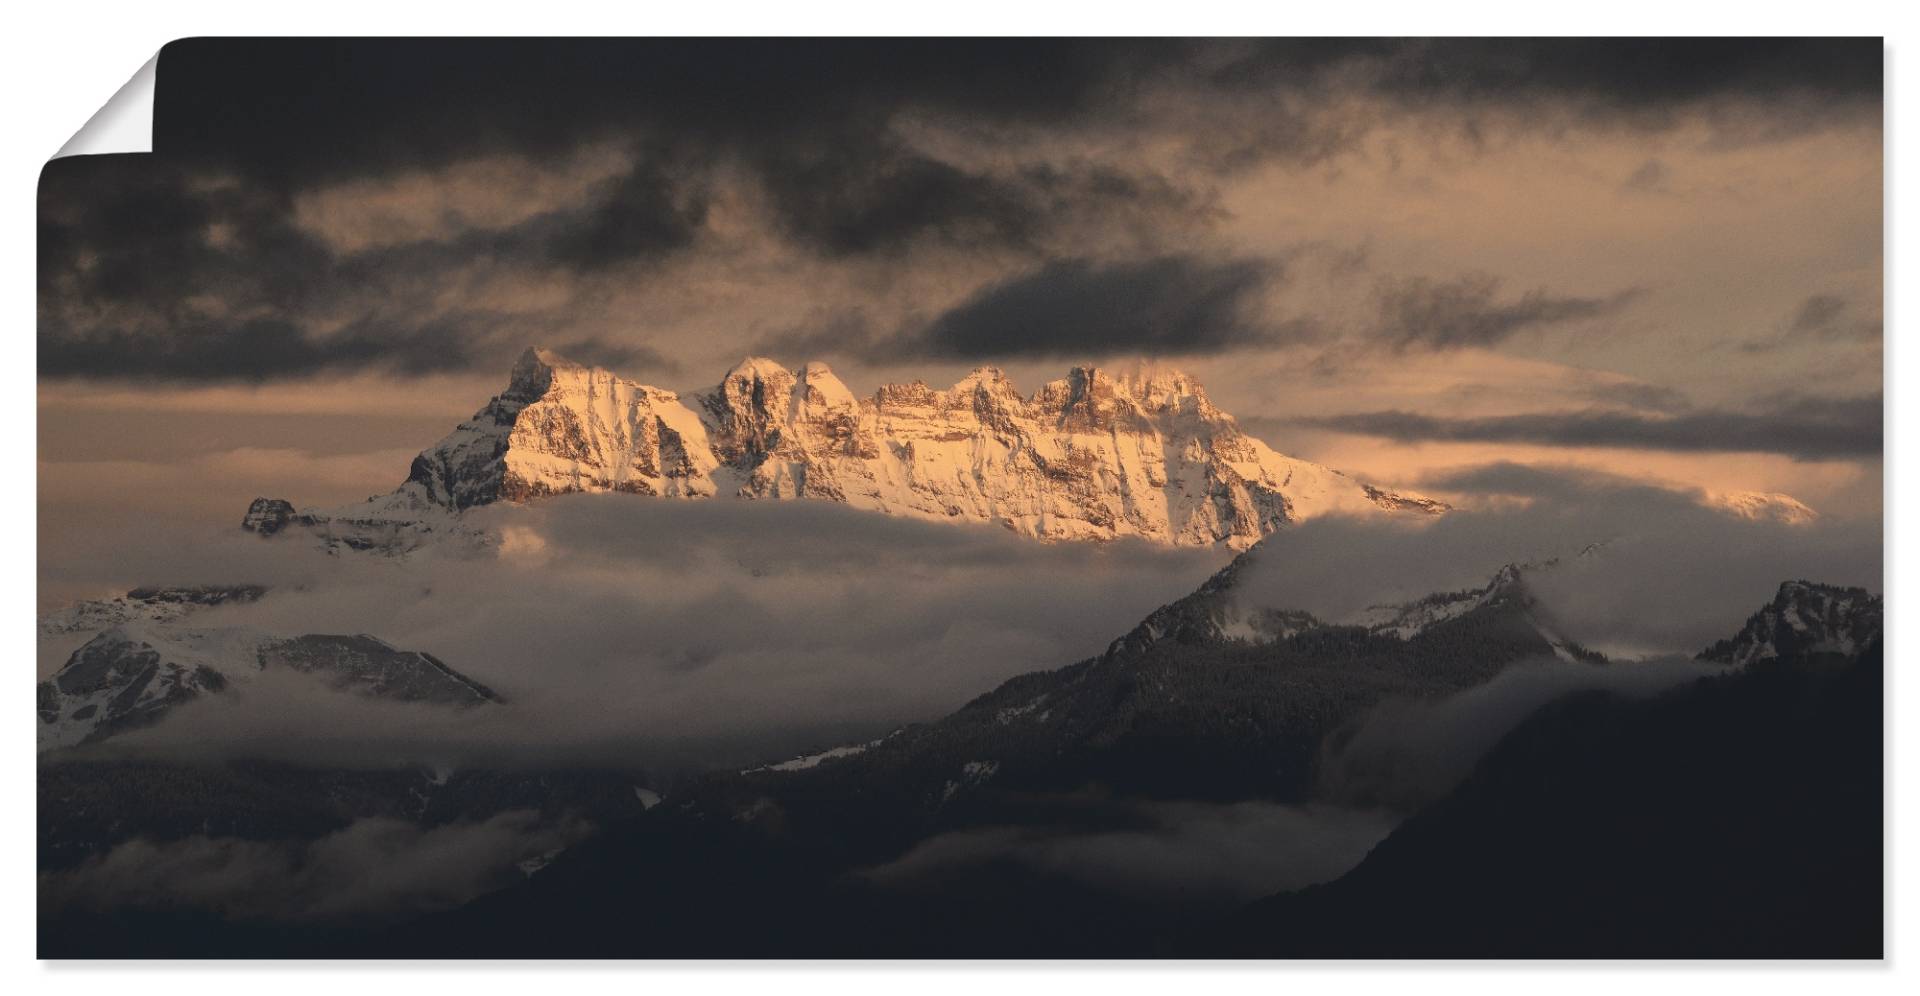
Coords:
pixel 1166 305
pixel 1169 305
pixel 1416 312
pixel 129 229
pixel 1632 74
pixel 849 201
pixel 148 271
pixel 375 104
pixel 814 119
pixel 810 119
pixel 1804 429
pixel 258 349
pixel 859 198
pixel 644 214
pixel 821 133
pixel 371 104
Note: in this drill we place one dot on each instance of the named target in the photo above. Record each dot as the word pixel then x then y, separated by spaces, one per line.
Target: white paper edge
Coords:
pixel 123 124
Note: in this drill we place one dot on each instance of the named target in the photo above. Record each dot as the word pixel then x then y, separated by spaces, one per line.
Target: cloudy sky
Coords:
pixel 1658 260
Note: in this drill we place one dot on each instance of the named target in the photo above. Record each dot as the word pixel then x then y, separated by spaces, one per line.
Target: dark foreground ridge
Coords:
pixel 1738 817
pixel 1735 815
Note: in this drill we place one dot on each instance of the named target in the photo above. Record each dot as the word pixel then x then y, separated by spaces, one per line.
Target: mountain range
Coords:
pixel 1212 699
pixel 1207 698
pixel 1091 456
pixel 1217 699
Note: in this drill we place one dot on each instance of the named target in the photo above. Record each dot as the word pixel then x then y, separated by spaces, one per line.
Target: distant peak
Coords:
pixel 758 367
pixel 1763 506
pixel 822 387
pixel 991 377
pixel 533 372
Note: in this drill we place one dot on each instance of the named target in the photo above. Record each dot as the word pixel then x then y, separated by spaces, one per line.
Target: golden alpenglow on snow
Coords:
pixel 757 498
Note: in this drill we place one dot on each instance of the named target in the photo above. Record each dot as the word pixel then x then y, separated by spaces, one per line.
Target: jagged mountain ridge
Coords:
pixel 1202 700
pixel 1805 620
pixel 1218 612
pixel 1091 456
pixel 134 675
pixel 1207 695
pixel 1029 755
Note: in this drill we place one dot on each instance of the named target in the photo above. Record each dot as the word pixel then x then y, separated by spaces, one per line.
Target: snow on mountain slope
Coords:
pixel 1092 456
pixel 1406 620
pixel 1218 612
pixel 131 676
pixel 1804 619
pixel 144 605
pixel 398 522
pixel 1770 506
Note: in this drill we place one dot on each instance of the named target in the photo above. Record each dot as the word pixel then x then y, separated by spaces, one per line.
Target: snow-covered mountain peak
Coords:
pixel 1221 611
pixel 1166 390
pixel 985 381
pixel 820 391
pixel 1804 619
pixel 1764 506
pixel 532 374
pixel 1095 455
pixel 757 370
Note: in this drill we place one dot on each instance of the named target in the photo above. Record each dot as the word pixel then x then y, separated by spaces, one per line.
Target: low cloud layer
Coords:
pixel 656 634
pixel 1177 854
pixel 1669 576
pixel 661 635
pixel 375 870
pixel 1406 753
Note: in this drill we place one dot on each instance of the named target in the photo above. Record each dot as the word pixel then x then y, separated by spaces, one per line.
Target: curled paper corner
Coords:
pixel 123 124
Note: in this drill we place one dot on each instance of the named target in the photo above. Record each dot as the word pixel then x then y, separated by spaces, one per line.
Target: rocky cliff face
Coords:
pixel 1091 456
